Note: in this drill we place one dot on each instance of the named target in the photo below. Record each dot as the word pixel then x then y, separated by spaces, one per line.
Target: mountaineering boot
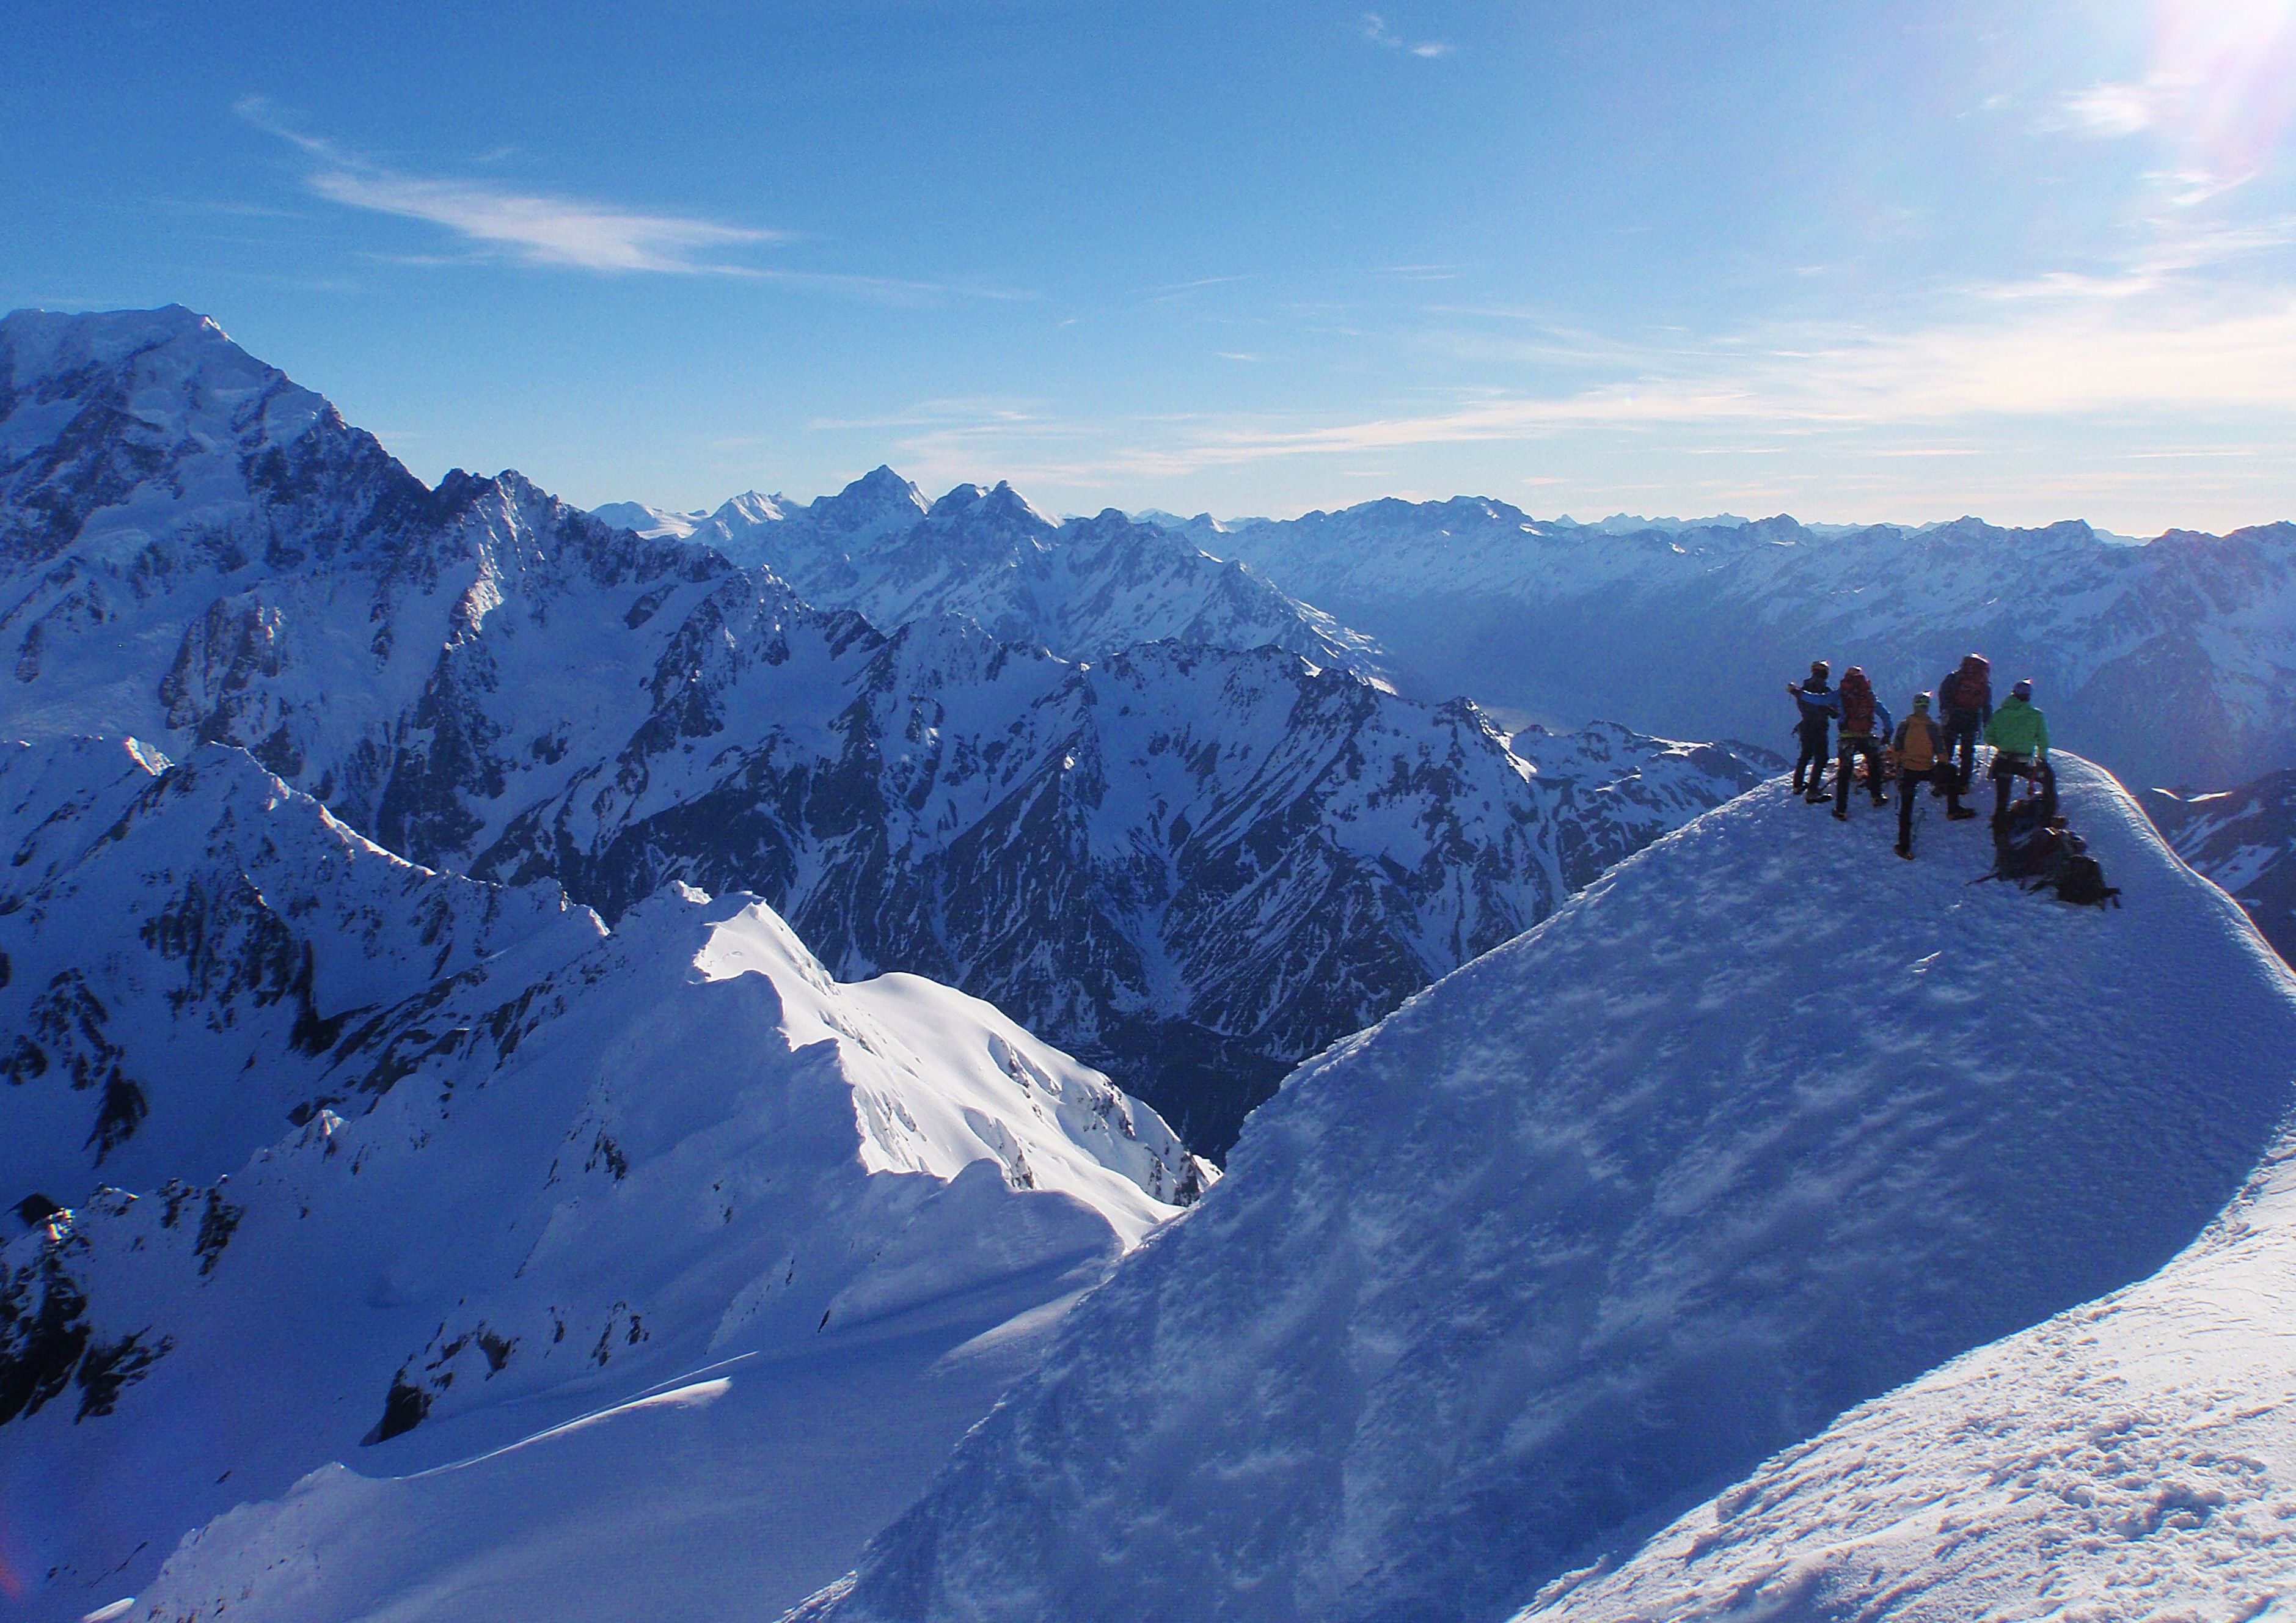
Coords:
pixel 1839 815
pixel 1960 814
pixel 1905 851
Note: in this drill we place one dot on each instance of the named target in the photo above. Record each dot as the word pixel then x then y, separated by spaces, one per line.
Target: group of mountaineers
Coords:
pixel 1924 747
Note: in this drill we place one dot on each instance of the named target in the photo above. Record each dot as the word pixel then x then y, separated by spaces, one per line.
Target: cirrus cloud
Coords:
pixel 536 228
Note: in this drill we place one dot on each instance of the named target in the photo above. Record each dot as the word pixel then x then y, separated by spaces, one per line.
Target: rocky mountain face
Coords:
pixel 489 1166
pixel 1762 1126
pixel 1193 866
pixel 2167 661
pixel 195 955
pixel 2245 839
pixel 1083 589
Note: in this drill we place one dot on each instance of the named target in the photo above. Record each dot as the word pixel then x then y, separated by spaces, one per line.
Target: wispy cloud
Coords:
pixel 1374 28
pixel 545 230
pixel 533 228
pixel 2111 110
pixel 1927 394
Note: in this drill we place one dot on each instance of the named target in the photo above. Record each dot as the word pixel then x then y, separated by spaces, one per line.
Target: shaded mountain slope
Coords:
pixel 2245 839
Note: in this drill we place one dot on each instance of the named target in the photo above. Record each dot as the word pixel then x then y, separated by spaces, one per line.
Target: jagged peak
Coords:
pixel 1000 504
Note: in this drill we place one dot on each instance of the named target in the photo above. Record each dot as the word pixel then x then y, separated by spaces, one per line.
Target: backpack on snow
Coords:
pixel 2035 851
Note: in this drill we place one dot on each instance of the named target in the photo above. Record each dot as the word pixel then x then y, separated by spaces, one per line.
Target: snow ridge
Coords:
pixel 1758 1126
pixel 553 1171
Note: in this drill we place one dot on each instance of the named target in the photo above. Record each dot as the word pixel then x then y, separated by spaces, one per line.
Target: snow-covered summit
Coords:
pixel 650 523
pixel 1762 1124
pixel 118 427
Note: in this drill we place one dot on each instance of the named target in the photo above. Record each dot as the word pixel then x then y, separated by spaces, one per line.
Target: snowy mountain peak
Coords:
pixel 649 523
pixel 1000 511
pixel 118 427
pixel 401 1160
pixel 879 503
pixel 753 508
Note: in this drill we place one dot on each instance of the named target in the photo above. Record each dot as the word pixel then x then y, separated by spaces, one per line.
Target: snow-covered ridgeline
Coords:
pixel 193 951
pixel 554 1169
pixel 2167 661
pixel 1760 1125
pixel 1083 589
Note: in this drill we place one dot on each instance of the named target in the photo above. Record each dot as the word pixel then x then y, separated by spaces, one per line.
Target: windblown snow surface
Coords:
pixel 1762 1126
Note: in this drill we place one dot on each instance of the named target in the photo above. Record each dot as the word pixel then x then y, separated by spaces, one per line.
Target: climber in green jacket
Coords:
pixel 2020 736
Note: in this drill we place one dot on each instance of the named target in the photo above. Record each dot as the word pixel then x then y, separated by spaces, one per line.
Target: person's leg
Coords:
pixel 1906 784
pixel 1875 781
pixel 1844 763
pixel 2003 775
pixel 1802 760
pixel 1963 740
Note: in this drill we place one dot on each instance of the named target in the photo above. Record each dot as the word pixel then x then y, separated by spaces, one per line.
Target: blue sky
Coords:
pixel 1862 260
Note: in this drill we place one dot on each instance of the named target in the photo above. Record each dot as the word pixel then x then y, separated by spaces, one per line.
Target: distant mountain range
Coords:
pixel 2168 661
pixel 1192 863
pixel 1082 589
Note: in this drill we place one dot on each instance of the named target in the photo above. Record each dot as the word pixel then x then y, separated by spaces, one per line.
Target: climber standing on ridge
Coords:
pixel 2020 736
pixel 1864 723
pixel 1919 749
pixel 1817 705
pixel 1966 698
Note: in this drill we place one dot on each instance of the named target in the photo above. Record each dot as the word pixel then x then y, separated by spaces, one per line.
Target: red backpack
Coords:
pixel 1856 703
pixel 1972 685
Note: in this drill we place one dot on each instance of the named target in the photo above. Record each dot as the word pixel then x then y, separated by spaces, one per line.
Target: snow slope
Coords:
pixel 650 523
pixel 1083 589
pixel 2129 1459
pixel 2169 661
pixel 1760 1125
pixel 2245 839
pixel 536 1177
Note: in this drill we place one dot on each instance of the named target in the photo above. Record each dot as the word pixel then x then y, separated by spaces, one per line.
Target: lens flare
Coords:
pixel 2223 82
